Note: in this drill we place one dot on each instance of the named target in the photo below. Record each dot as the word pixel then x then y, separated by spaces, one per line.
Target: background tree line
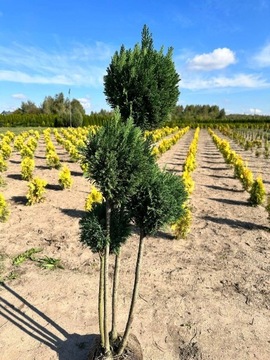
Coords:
pixel 191 114
pixel 197 113
pixel 211 115
pixel 53 111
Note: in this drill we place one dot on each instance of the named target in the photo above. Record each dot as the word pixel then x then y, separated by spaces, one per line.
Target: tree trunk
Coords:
pixel 124 341
pixel 114 333
pixel 101 301
pixel 106 280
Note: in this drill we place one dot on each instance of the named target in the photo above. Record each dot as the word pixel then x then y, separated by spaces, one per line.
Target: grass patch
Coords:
pixel 46 262
pixel 20 129
pixel 49 263
pixel 27 255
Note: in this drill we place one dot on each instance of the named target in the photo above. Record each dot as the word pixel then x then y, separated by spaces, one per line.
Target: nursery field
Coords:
pixel 203 297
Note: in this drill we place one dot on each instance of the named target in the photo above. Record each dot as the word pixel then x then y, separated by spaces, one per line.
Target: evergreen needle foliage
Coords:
pixel 257 192
pixel 27 168
pixel 95 196
pixel 4 211
pixel 64 179
pixel 134 190
pixel 93 228
pixel 143 83
pixel 36 191
pixel 158 200
pixel 117 156
pixel 53 160
pixel 182 226
pixel 3 163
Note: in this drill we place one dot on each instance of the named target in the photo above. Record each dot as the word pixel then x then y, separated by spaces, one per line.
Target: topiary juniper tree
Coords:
pixel 117 157
pixel 134 189
pixel 143 83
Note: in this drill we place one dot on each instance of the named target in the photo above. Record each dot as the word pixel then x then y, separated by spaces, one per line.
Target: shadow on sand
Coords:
pixel 223 188
pixel 74 213
pixel 231 202
pixel 54 187
pixel 236 223
pixel 67 346
pixel 20 200
pixel 15 176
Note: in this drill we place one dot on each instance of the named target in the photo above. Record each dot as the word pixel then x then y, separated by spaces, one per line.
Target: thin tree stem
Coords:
pixel 134 295
pixel 106 280
pixel 114 333
pixel 101 301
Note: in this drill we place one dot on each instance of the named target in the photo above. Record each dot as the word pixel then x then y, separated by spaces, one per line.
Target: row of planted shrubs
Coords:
pixel 256 187
pixel 166 143
pixel 249 140
pixel 182 227
pixel 26 144
pixel 5 153
pixel 71 139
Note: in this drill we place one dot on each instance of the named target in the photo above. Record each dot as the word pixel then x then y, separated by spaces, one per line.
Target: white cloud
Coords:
pixel 255 111
pixel 21 77
pixel 93 77
pixel 236 81
pixel 262 59
pixel 19 96
pixel 85 103
pixel 80 65
pixel 217 59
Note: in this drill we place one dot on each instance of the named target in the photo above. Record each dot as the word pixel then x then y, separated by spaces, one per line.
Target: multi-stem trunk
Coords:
pixel 124 341
pixel 114 333
pixel 101 301
pixel 106 279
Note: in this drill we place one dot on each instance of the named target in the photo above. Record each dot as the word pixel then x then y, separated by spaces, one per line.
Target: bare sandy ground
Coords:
pixel 206 297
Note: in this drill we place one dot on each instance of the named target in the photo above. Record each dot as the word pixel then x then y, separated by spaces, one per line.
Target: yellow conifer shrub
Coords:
pixel 3 163
pixel 53 160
pixel 36 191
pixel 65 180
pixel 26 151
pixel 257 192
pixel 27 168
pixel 95 196
pixel 188 182
pixel 182 226
pixel 6 150
pixel 246 178
pixel 4 211
pixel 155 152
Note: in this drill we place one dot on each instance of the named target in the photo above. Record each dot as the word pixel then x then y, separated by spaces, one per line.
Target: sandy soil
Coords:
pixel 206 297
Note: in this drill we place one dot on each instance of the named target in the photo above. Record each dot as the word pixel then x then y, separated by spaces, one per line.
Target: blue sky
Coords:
pixel 221 49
